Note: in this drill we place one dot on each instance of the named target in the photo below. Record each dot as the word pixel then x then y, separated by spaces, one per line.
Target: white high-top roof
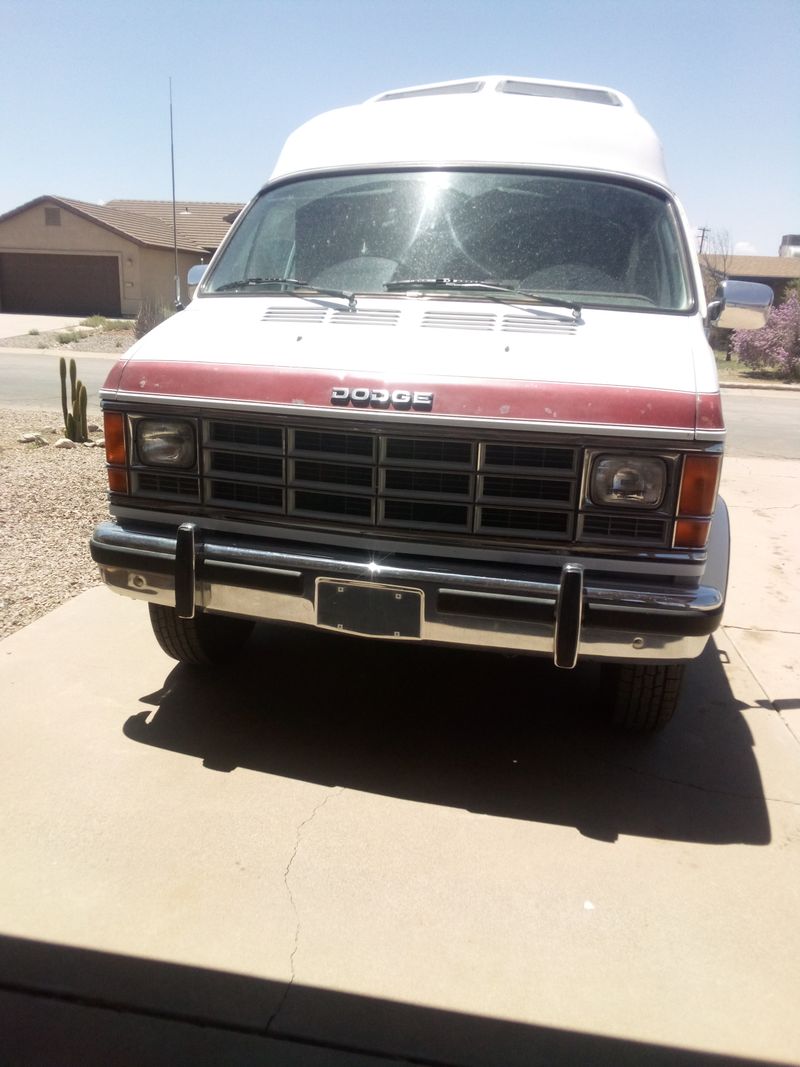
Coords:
pixel 488 120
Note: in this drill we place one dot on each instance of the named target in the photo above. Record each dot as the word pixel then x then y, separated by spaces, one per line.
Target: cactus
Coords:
pixel 75 421
pixel 82 402
pixel 62 370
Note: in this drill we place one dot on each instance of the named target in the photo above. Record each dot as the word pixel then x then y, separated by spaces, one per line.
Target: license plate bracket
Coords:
pixel 369 610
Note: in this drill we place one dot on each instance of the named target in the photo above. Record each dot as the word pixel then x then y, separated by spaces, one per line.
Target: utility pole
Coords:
pixel 703 232
pixel 178 301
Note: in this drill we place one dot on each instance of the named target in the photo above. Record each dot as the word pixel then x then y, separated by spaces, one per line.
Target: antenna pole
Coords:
pixel 178 301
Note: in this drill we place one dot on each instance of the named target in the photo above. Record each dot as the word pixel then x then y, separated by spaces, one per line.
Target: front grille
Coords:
pixel 624 528
pixel 384 479
pixel 170 486
pixel 475 489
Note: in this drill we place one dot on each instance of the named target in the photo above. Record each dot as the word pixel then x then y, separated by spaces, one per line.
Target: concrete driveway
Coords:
pixel 341 852
pixel 12 325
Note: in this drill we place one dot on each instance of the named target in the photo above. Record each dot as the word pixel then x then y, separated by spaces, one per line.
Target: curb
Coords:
pixel 773 387
pixel 77 356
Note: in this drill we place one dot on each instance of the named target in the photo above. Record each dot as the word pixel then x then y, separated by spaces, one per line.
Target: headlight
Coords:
pixel 634 481
pixel 165 442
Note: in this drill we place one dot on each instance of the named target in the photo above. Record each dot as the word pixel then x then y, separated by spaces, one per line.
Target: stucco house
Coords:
pixel 61 256
pixel 776 271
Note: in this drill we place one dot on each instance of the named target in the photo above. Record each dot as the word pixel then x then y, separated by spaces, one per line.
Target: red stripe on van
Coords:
pixel 468 398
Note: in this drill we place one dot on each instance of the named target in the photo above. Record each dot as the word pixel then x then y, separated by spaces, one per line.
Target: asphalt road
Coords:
pixel 30 379
pixel 764 423
pixel 760 422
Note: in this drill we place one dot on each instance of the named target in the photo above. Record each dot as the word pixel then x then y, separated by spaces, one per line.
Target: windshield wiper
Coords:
pixel 462 283
pixel 345 294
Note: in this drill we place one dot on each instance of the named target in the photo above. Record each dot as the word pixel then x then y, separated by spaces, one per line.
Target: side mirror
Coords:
pixel 740 306
pixel 195 275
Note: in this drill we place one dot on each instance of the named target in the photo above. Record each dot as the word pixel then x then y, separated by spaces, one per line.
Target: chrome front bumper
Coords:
pixel 564 614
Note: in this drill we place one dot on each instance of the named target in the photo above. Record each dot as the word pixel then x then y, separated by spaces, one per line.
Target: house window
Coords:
pixel 52 216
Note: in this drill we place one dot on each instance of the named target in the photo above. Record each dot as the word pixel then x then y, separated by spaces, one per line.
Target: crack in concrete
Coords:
pixel 337 791
pixel 755 678
pixel 758 508
pixel 759 630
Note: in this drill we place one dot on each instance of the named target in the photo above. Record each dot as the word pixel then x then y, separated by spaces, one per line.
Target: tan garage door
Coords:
pixel 50 284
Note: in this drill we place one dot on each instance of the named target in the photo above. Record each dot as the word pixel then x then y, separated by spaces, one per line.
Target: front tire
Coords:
pixel 201 641
pixel 644 697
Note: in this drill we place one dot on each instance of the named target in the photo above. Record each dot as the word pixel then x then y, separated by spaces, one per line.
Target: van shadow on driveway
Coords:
pixel 81 1008
pixel 503 736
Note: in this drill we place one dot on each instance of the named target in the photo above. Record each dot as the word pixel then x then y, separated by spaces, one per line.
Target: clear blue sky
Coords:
pixel 84 109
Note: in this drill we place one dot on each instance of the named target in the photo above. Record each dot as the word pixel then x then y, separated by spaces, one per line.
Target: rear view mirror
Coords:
pixel 740 306
pixel 195 275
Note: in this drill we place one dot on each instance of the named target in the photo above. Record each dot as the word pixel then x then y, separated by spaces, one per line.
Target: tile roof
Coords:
pixel 200 225
pixel 202 222
pixel 755 266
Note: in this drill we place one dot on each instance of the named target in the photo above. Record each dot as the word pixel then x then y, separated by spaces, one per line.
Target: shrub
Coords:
pixel 151 314
pixel 33 333
pixel 775 346
pixel 100 322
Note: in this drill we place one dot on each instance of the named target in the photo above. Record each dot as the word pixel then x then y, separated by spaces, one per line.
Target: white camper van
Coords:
pixel 446 380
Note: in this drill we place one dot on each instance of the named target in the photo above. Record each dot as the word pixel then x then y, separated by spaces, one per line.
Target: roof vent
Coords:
pixel 560 92
pixel 448 88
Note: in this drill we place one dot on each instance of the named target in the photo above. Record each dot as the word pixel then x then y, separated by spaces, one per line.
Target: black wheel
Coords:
pixel 204 639
pixel 644 698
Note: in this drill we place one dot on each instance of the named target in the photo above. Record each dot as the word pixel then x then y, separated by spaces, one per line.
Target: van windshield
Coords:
pixel 600 243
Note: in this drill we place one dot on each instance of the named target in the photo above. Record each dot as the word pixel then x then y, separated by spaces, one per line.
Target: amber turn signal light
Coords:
pixel 117 480
pixel 114 432
pixel 691 533
pixel 699 485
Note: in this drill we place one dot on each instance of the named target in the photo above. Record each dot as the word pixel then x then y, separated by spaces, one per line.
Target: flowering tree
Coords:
pixel 775 346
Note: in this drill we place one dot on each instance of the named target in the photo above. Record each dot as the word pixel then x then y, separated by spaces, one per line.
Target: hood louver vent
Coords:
pixel 534 324
pixel 294 314
pixel 468 320
pixel 538 321
pixel 365 317
pixel 306 315
pixel 453 320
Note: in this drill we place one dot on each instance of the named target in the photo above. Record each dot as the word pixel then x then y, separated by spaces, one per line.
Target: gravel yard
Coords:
pixel 50 500
pixel 113 342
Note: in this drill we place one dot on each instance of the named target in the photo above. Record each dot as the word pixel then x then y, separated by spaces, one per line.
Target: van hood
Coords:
pixel 512 364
